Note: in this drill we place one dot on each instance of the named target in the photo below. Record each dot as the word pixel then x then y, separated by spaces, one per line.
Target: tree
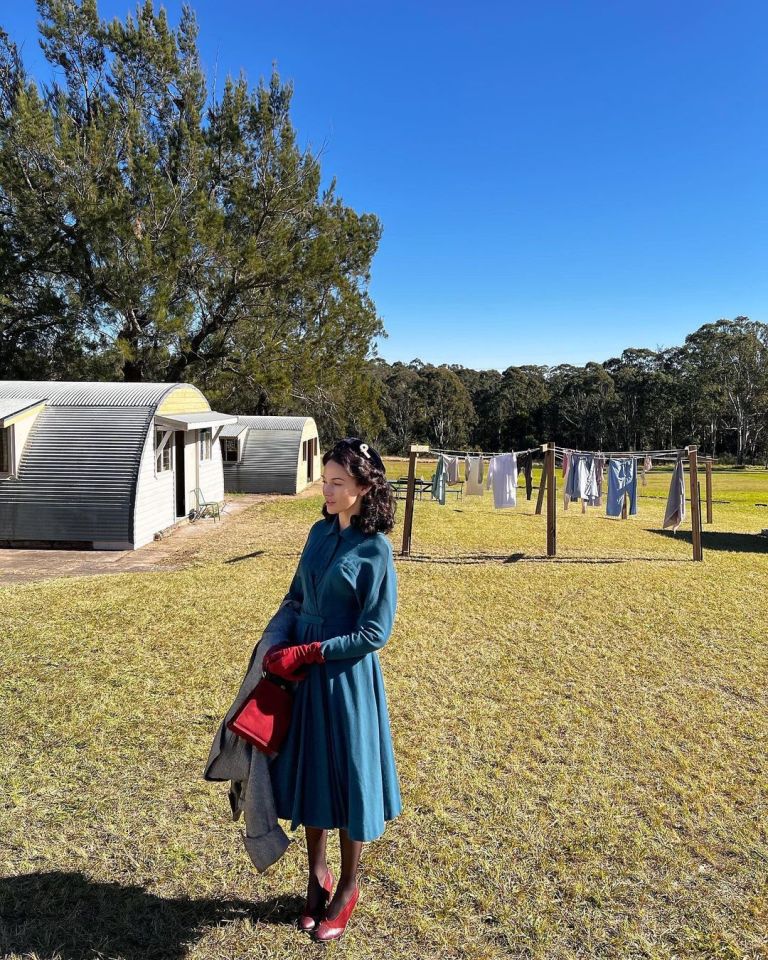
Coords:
pixel 188 237
pixel 729 362
pixel 447 415
pixel 400 404
pixel 582 405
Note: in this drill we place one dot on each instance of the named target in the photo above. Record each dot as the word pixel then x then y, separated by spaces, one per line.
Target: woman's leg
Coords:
pixel 350 860
pixel 316 847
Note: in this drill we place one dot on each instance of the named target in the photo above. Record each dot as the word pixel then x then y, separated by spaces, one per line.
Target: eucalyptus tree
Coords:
pixel 175 233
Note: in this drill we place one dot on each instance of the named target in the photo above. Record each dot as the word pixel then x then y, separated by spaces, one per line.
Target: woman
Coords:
pixel 336 768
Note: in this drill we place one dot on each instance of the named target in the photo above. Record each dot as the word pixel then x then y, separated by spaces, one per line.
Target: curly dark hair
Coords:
pixel 377 507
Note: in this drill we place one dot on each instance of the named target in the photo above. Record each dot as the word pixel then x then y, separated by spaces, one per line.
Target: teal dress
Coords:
pixel 336 767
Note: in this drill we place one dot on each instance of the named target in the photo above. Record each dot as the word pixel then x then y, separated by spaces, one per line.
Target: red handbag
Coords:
pixel 264 716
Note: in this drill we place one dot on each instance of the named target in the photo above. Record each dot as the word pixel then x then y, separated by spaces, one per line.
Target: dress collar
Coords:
pixel 349 533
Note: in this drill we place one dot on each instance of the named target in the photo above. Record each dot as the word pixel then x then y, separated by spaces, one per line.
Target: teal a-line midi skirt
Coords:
pixel 336 767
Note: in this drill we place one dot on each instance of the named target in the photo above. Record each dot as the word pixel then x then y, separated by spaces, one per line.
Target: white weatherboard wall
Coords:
pixel 156 494
pixel 154 509
pixel 211 471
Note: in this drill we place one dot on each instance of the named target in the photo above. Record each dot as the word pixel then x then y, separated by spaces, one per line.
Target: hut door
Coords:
pixel 181 500
pixel 310 460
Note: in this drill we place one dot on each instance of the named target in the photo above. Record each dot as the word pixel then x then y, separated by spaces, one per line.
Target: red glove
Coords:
pixel 287 662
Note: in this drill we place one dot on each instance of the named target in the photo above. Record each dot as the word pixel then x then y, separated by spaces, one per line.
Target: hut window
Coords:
pixel 205 444
pixel 162 451
pixel 6 450
pixel 304 450
pixel 229 452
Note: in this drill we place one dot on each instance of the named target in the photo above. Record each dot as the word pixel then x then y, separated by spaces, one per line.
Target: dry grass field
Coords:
pixel 582 745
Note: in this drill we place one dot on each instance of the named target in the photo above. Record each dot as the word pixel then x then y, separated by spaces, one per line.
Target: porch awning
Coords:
pixel 9 409
pixel 194 421
pixel 233 430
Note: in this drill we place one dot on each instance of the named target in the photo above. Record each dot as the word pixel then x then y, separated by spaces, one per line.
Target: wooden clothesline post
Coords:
pixel 410 496
pixel 708 465
pixel 693 480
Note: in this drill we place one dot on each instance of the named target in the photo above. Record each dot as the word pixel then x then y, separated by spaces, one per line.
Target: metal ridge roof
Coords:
pixel 274 423
pixel 72 393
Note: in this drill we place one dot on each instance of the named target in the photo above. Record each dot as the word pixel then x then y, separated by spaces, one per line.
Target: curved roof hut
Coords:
pixel 103 465
pixel 270 454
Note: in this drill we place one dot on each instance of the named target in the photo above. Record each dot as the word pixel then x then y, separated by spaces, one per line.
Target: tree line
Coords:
pixel 712 390
pixel 152 228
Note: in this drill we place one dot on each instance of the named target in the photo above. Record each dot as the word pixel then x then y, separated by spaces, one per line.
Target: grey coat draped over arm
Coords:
pixel 233 758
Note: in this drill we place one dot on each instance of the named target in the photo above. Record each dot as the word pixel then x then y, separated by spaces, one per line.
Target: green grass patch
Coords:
pixel 581 746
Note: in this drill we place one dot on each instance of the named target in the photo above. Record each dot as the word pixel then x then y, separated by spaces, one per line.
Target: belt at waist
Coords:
pixel 311 618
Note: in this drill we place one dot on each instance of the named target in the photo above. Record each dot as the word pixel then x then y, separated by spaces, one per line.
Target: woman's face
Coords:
pixel 341 491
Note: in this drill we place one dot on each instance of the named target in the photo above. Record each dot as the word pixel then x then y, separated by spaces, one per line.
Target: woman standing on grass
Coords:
pixel 336 768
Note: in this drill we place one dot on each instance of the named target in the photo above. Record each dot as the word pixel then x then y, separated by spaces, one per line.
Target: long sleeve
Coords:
pixel 283 623
pixel 376 587
pixel 296 589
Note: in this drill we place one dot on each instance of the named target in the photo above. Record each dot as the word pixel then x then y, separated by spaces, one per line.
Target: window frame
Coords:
pixel 163 452
pixel 230 440
pixel 205 444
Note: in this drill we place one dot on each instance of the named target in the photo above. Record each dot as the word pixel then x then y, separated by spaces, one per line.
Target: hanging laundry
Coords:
pixel 675 512
pixel 580 483
pixel 473 474
pixel 439 480
pixel 502 474
pixel 525 466
pixel 566 472
pixel 452 469
pixel 622 479
pixel 595 492
pixel 647 464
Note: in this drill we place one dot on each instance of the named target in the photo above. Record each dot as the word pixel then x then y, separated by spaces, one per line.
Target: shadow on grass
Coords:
pixel 68 916
pixel 734 542
pixel 245 556
pixel 466 558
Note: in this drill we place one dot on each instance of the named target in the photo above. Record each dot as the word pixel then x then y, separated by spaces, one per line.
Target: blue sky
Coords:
pixel 556 180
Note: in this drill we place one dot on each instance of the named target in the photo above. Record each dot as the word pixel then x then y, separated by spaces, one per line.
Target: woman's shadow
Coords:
pixel 68 916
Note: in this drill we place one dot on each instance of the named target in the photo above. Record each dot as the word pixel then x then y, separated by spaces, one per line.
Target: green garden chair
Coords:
pixel 205 508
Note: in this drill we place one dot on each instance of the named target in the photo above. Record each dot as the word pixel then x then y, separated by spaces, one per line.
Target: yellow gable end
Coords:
pixel 32 412
pixel 184 400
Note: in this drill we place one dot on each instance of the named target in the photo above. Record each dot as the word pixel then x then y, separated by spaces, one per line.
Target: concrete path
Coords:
pixel 169 553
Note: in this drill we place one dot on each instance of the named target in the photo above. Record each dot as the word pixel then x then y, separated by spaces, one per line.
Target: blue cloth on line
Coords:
pixel 622 479
pixel 336 767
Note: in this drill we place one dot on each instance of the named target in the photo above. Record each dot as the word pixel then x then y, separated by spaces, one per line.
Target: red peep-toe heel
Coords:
pixel 308 921
pixel 332 929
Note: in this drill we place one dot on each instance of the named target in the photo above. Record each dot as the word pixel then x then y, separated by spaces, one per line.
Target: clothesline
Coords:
pixel 671 458
pixel 627 454
pixel 482 453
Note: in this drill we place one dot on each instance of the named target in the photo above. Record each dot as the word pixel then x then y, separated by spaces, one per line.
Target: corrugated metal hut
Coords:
pixel 270 454
pixel 103 465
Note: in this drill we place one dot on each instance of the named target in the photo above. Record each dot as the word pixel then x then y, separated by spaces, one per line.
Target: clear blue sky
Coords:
pixel 556 180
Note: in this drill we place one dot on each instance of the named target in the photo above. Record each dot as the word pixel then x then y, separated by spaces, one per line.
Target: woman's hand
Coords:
pixel 287 662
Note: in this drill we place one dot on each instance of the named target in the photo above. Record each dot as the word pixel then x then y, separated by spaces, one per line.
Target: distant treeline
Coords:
pixel 712 390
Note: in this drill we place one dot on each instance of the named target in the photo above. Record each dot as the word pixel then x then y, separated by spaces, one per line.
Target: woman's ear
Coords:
pixel 365 489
